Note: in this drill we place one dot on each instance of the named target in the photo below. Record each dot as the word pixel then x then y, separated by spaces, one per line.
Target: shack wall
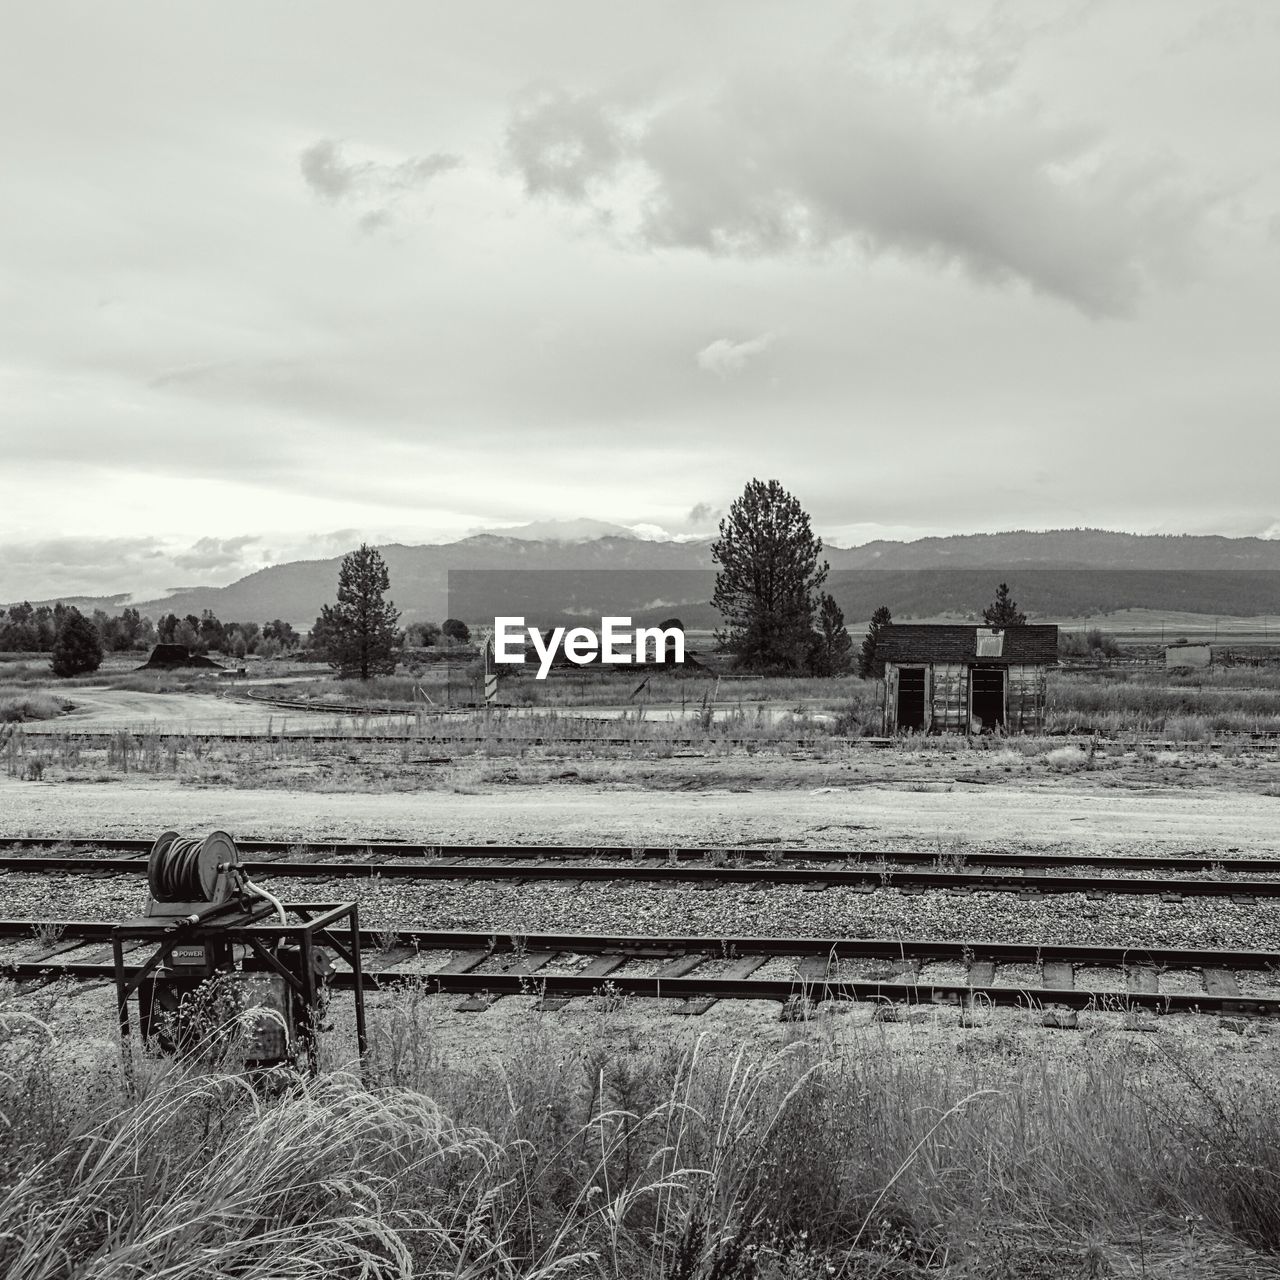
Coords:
pixel 949 712
pixel 947 697
pixel 1026 694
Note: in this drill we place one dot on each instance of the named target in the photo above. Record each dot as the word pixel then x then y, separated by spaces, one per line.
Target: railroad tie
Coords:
pixel 905 970
pixel 814 968
pixel 1058 975
pixel 678 966
pixel 1220 982
pixel 60 948
pixel 380 961
pixel 1141 980
pixel 532 961
pixel 464 962
pixel 981 973
pixel 743 967
pixel 601 966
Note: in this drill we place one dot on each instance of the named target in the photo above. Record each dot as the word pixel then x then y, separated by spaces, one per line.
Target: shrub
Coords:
pixel 456 629
pixel 78 647
pixel 31 706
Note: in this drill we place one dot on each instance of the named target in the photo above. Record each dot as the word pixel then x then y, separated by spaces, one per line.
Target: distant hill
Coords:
pixel 1066 549
pixel 420 575
pixel 1061 573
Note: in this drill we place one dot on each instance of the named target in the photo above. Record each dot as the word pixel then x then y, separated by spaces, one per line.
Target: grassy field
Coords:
pixel 1158 703
pixel 616 1154
pixel 1150 702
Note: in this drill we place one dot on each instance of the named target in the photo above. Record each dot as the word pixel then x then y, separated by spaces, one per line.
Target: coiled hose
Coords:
pixel 174 870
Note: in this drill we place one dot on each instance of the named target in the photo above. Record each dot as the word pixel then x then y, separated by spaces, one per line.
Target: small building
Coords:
pixel 1188 655
pixel 165 657
pixel 965 679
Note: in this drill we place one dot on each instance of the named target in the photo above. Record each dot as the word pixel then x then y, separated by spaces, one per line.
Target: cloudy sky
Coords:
pixel 278 277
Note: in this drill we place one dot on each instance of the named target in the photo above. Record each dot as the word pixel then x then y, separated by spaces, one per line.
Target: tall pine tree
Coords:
pixel 358 634
pixel 867 664
pixel 769 575
pixel 832 647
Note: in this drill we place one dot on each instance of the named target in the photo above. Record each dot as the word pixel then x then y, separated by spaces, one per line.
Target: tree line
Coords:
pixel 27 628
pixel 768 589
pixel 77 643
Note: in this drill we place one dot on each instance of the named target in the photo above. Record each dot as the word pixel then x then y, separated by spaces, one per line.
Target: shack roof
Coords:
pixel 1030 644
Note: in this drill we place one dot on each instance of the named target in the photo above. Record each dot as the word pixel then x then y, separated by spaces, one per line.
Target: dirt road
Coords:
pixel 100 708
pixel 874 817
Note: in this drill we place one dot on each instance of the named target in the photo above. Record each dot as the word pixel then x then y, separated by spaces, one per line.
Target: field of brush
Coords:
pixel 1145 701
pixel 839 1147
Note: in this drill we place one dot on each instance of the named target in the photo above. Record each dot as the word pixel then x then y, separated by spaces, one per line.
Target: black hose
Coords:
pixel 175 874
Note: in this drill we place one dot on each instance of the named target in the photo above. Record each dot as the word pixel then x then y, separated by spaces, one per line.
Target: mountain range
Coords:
pixel 572 571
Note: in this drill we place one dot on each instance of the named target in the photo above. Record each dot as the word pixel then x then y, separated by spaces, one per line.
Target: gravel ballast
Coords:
pixel 679 908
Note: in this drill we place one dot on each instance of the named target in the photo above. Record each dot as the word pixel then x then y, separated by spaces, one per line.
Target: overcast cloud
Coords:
pixel 268 287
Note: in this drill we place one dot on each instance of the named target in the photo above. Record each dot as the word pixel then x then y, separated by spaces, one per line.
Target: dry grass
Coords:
pixel 20 707
pixel 617 1153
pixel 1165 704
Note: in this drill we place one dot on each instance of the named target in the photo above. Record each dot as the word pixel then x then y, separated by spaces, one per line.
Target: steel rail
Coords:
pixel 540 740
pixel 1249 742
pixel 689 984
pixel 650 945
pixel 864 880
pixel 375 849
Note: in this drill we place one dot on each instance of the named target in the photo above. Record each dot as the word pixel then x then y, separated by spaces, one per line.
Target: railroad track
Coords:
pixel 1261 741
pixel 104 736
pixel 815 870
pixel 702 970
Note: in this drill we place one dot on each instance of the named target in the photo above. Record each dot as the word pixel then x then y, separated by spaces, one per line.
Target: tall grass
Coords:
pixel 1220 701
pixel 621 1152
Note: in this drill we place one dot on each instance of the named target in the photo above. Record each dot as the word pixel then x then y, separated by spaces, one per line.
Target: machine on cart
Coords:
pixel 214 931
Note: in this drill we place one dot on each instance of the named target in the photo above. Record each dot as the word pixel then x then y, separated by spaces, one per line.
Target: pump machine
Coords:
pixel 218 941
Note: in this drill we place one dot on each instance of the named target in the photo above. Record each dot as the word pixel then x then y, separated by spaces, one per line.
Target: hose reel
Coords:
pixel 213 935
pixel 191 878
pixel 187 869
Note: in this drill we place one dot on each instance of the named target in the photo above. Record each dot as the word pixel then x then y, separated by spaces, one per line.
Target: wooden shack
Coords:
pixel 1188 655
pixel 965 679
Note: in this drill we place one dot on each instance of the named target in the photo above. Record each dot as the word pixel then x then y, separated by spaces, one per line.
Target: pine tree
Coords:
pixel 358 634
pixel 831 644
pixel 1002 611
pixel 867 664
pixel 768 578
pixel 77 648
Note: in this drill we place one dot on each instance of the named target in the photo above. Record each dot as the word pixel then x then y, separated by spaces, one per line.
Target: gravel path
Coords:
pixel 681 909
pixel 873 817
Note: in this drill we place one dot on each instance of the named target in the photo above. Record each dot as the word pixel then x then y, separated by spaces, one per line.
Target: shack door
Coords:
pixel 910 699
pixel 987 700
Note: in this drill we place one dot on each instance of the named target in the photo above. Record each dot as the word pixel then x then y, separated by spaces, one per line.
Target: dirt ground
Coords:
pixel 101 708
pixel 1071 814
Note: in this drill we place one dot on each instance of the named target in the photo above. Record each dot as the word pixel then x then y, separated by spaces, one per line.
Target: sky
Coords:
pixel 279 278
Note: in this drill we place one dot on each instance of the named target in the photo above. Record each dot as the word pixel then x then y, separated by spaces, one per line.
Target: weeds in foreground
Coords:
pixel 617 1153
